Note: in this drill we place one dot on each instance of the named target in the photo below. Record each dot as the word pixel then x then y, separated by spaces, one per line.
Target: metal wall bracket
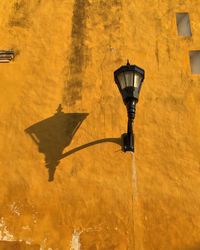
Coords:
pixel 128 142
pixel 6 56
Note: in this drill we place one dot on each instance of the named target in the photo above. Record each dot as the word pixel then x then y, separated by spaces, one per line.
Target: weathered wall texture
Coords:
pixel 64 181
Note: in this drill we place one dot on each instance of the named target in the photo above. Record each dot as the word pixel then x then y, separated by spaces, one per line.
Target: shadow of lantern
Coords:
pixel 53 134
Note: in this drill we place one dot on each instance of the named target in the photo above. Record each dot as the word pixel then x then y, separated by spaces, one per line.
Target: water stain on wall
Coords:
pixel 19 15
pixel 78 56
pixel 157 53
pixel 111 23
pixel 105 7
pixel 21 12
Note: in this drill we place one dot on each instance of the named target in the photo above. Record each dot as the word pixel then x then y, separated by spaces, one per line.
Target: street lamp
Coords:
pixel 129 80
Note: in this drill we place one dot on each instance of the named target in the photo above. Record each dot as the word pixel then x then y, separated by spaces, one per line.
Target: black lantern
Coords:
pixel 129 80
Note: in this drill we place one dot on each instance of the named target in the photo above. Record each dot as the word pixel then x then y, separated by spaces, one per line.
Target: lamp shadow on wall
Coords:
pixel 89 144
pixel 54 134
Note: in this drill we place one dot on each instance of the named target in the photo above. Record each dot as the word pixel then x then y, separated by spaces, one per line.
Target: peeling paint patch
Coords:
pixel 15 209
pixel 27 227
pixel 43 244
pixel 75 242
pixel 5 235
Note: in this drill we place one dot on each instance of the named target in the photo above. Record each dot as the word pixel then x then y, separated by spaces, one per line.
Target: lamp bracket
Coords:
pixel 128 142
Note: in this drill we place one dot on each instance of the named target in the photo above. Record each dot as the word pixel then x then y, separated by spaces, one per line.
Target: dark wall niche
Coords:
pixel 183 24
pixel 195 61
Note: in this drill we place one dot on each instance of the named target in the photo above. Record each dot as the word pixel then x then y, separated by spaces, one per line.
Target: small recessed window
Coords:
pixel 183 24
pixel 195 61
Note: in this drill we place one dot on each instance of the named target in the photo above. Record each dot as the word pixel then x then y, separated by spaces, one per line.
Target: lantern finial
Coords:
pixel 128 62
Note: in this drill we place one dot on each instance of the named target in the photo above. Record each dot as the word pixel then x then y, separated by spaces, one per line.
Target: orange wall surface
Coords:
pixel 65 182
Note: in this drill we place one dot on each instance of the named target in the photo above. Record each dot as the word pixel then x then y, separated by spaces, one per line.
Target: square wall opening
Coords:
pixel 195 61
pixel 183 24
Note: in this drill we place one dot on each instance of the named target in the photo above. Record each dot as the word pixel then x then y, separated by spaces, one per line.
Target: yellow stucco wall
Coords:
pixel 66 52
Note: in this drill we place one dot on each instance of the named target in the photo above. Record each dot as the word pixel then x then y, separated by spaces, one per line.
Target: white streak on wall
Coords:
pixel 137 216
pixel 134 179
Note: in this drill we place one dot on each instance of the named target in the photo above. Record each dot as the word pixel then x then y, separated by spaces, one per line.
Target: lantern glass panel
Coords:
pixel 122 80
pixel 129 78
pixel 137 80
